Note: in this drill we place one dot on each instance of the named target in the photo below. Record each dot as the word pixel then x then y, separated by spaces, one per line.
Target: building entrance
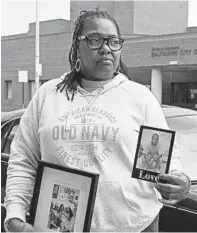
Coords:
pixel 184 94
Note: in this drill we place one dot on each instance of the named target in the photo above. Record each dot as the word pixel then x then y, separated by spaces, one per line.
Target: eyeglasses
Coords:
pixel 95 41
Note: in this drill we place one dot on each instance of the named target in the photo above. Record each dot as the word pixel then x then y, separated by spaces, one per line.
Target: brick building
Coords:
pixel 141 17
pixel 159 50
pixel 18 53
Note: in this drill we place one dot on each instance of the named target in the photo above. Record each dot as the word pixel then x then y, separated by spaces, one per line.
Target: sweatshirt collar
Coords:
pixel 116 81
pixel 90 85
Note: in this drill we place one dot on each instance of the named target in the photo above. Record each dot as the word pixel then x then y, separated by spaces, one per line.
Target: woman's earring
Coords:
pixel 78 65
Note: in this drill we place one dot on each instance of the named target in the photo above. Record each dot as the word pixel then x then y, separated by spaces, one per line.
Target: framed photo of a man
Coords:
pixel 153 153
pixel 63 199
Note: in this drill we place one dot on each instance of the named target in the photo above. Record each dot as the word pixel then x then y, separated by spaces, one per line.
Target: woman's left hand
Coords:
pixel 176 188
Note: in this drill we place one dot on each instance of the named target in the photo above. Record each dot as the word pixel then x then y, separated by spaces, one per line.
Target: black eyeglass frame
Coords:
pixel 104 39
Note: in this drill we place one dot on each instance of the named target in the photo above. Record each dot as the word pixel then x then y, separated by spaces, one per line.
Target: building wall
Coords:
pixel 78 6
pixel 16 54
pixel 122 11
pixel 178 75
pixel 56 26
pixel 141 17
pixel 124 15
pixel 140 54
pixel 173 49
pixel 19 54
pixel 174 54
pixel 140 75
pixel 192 29
pixel 160 17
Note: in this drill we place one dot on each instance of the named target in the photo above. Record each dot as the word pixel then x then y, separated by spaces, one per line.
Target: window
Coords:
pixel 8 89
pixel 43 81
pixel 32 87
pixel 184 93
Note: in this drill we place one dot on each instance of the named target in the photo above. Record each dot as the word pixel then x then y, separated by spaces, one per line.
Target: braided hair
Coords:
pixel 73 79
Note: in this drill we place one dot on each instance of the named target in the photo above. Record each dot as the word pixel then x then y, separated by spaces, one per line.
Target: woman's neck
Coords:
pixel 92 85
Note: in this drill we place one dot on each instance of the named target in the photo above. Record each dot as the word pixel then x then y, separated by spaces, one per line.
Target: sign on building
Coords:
pixel 39 69
pixel 23 76
pixel 193 91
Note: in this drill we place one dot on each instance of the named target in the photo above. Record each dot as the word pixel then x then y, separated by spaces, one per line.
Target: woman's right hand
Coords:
pixel 17 225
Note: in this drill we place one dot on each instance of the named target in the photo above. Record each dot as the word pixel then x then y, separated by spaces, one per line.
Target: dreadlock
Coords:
pixel 73 79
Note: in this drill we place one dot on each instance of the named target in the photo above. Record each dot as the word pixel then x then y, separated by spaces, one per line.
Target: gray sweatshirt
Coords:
pixel 96 132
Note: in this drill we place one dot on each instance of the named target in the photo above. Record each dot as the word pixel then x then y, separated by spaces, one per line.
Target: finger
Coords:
pixel 170 188
pixel 170 195
pixel 185 178
pixel 28 228
pixel 25 227
pixel 169 202
pixel 172 179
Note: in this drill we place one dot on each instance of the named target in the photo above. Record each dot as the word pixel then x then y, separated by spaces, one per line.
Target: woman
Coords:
pixel 98 111
pixel 66 224
pixel 59 214
pixel 53 218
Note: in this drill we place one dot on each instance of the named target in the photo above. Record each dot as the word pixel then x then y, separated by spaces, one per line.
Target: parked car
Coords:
pixel 9 124
pixel 183 216
pixel 179 218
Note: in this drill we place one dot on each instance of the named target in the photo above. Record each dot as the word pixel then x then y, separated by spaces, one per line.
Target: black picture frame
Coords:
pixel 149 168
pixel 78 189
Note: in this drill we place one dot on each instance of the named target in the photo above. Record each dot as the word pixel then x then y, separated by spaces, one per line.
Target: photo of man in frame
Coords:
pixel 152 156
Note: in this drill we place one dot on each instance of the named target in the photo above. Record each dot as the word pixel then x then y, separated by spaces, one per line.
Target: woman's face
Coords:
pixel 94 66
pixel 62 208
pixel 66 211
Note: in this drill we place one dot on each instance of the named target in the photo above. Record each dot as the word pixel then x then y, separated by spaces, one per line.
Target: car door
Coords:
pixel 8 130
pixel 183 216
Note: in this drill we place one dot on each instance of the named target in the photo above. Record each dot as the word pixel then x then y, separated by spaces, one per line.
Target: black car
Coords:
pixel 183 216
pixel 179 218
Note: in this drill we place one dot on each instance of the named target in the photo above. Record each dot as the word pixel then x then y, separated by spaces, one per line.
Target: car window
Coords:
pixel 186 131
pixel 12 132
pixel 4 134
pixel 8 131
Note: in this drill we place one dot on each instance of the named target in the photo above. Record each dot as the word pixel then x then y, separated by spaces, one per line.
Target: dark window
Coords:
pixel 8 89
pixel 184 93
pixel 32 87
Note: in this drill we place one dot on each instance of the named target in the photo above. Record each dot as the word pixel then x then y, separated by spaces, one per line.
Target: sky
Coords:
pixel 17 14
